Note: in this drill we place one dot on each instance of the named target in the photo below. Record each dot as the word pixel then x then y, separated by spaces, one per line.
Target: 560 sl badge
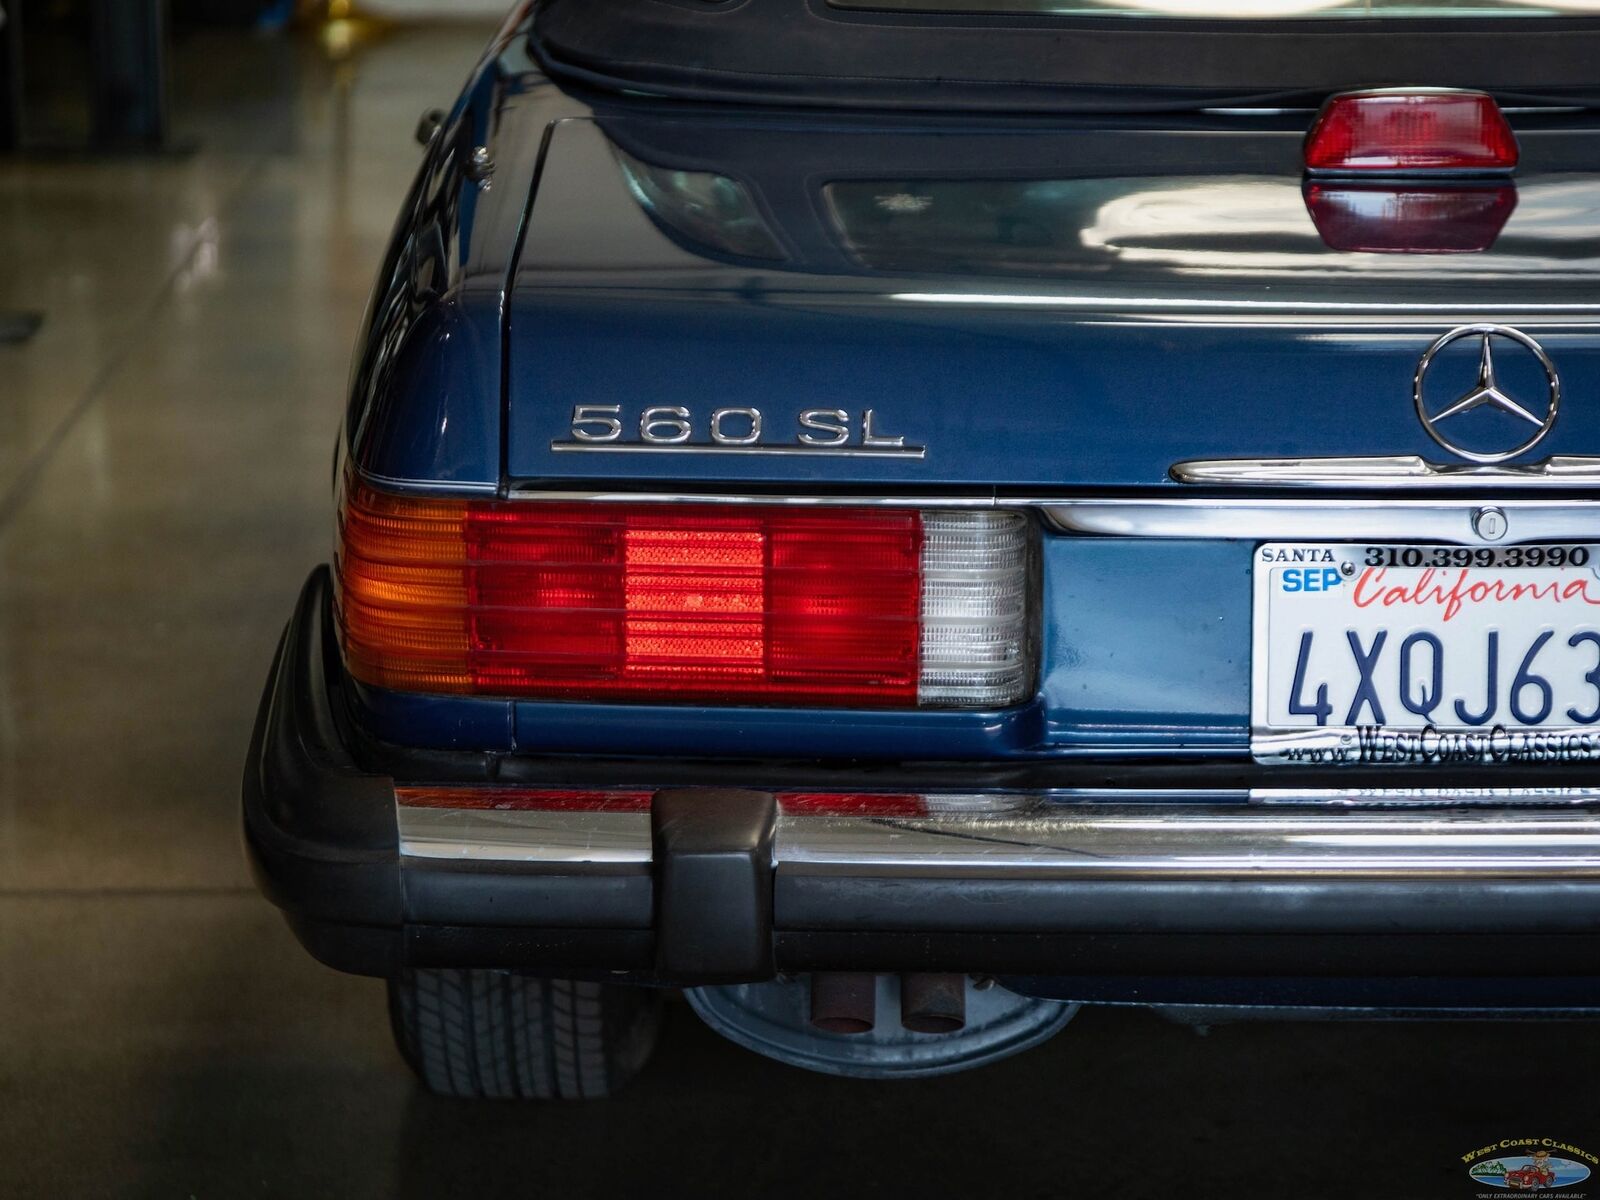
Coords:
pixel 670 429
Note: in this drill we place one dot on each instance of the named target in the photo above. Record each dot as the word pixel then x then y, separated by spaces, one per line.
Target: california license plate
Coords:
pixel 1442 655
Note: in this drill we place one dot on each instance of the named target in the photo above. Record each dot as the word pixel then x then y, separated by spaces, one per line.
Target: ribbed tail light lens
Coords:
pixel 710 604
pixel 1410 131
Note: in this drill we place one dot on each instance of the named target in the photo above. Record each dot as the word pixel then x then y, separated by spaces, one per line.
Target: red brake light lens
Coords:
pixel 1407 131
pixel 723 604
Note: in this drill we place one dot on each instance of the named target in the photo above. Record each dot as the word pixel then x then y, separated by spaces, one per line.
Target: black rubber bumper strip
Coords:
pixel 323 842
pixel 713 857
pixel 842 900
pixel 321 831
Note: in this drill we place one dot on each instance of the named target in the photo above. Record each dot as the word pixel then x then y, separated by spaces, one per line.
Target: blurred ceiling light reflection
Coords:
pixel 196 253
pixel 344 29
pixel 1192 227
pixel 1174 224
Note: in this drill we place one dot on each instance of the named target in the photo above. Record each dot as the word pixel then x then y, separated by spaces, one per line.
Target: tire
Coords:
pixel 493 1036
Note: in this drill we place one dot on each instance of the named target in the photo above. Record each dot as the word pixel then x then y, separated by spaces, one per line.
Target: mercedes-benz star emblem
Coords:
pixel 1487 391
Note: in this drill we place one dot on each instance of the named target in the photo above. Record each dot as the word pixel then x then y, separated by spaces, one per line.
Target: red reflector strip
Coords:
pixel 467 798
pixel 505 799
pixel 1409 131
pixel 853 804
pixel 617 601
pixel 487 799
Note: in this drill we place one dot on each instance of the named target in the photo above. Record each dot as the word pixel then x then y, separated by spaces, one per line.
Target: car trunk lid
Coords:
pixel 1045 317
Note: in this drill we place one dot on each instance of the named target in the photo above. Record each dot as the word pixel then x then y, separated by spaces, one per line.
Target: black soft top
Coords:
pixel 808 52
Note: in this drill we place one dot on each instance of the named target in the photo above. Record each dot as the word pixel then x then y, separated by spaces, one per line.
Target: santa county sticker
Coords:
pixel 1532 1165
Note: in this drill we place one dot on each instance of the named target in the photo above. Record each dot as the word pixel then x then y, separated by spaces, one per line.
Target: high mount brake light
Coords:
pixel 1403 131
pixel 709 603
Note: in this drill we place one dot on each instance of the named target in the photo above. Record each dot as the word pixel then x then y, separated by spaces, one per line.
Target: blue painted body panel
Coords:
pixel 1176 316
pixel 427 385
pixel 1050 307
pixel 1146 644
pixel 778 733
pixel 449 722
pixel 1013 399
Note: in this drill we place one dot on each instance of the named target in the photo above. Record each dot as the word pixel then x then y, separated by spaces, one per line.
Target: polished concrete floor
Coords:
pixel 164 448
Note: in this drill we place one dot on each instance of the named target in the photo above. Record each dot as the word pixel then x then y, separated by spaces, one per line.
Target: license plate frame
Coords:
pixel 1432 583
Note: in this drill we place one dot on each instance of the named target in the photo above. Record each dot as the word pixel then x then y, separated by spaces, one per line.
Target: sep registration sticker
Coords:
pixel 1426 655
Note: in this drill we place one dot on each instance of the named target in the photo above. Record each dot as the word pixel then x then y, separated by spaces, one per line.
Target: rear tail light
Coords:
pixel 1408 131
pixel 718 604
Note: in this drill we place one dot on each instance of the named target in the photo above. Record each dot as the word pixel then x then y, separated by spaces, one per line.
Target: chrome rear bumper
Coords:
pixel 380 868
pixel 1100 836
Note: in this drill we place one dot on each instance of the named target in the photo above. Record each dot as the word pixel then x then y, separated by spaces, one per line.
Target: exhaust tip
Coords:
pixel 842 1024
pixel 931 1023
pixel 844 1002
pixel 933 1003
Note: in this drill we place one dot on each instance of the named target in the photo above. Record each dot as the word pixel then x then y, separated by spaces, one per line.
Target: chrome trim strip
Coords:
pixel 1422 833
pixel 1187 516
pixel 1398 471
pixel 1424 797
pixel 429 486
pixel 546 837
pixel 1112 841
pixel 695 448
pixel 544 492
pixel 1507 310
pixel 1326 520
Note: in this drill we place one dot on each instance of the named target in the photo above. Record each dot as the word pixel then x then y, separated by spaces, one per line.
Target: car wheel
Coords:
pixel 491 1035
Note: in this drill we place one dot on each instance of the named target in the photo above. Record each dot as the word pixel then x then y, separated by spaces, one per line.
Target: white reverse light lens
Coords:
pixel 975 651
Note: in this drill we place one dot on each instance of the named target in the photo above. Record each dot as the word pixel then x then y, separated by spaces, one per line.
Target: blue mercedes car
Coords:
pixel 901 518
